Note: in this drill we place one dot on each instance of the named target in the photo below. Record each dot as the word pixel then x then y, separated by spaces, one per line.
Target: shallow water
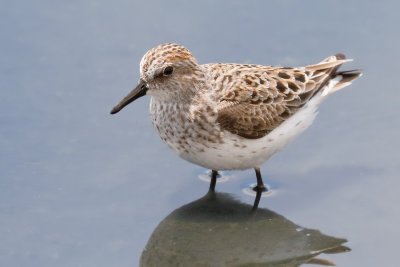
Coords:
pixel 79 187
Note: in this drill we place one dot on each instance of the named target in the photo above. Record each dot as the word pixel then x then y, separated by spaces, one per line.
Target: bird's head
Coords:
pixel 167 72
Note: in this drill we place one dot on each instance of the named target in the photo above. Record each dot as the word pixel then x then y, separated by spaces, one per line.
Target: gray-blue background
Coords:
pixel 79 187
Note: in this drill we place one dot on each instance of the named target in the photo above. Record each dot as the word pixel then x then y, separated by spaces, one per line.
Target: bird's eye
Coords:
pixel 168 71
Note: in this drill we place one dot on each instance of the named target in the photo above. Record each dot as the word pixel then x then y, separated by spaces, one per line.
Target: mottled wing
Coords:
pixel 254 100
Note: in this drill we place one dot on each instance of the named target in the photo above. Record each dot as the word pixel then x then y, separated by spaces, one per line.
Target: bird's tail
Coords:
pixel 326 73
pixel 346 78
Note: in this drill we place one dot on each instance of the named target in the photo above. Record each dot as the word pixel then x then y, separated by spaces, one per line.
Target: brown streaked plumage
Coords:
pixel 261 98
pixel 232 116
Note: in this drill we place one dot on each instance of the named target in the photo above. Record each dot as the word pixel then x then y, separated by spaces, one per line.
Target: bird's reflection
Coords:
pixel 219 230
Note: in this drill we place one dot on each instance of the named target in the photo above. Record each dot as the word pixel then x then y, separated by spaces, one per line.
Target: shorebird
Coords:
pixel 231 116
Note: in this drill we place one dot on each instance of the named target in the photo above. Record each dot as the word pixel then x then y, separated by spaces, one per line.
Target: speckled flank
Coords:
pixel 233 116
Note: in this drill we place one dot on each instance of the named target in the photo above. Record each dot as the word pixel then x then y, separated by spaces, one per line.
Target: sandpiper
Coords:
pixel 231 116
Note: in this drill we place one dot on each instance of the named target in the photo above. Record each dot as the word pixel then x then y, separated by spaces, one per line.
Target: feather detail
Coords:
pixel 262 97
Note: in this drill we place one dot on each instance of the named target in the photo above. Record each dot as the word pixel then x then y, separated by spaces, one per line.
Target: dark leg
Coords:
pixel 257 200
pixel 213 180
pixel 260 185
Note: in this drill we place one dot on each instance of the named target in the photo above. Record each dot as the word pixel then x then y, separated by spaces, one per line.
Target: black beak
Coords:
pixel 139 91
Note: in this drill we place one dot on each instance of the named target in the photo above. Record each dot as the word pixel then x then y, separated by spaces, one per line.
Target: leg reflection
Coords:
pixel 257 200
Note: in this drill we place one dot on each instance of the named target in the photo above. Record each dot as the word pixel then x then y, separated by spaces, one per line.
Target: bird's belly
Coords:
pixel 229 151
pixel 240 153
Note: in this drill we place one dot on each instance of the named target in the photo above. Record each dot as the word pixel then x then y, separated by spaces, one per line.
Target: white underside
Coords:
pixel 250 153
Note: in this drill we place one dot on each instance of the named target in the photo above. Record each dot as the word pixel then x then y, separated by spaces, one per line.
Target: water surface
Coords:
pixel 79 187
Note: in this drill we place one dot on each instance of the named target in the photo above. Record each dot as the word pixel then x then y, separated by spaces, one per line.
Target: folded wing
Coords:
pixel 256 99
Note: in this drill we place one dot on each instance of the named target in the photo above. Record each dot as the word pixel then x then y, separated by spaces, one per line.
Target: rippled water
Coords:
pixel 79 187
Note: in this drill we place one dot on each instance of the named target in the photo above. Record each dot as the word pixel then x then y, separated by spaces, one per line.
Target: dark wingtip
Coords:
pixel 340 56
